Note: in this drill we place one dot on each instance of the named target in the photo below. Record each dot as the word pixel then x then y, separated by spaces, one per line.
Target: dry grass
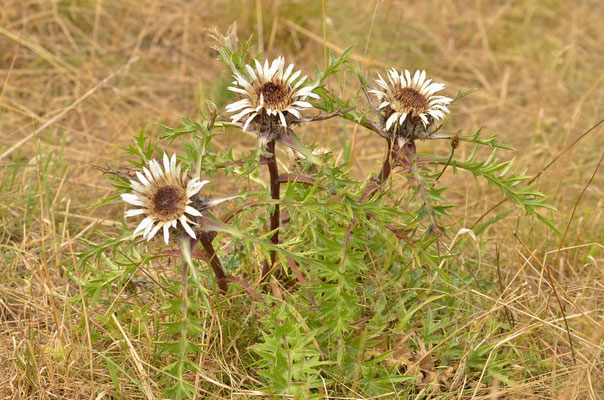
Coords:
pixel 80 77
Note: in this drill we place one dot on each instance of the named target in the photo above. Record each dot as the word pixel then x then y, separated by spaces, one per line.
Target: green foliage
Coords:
pixel 502 176
pixel 334 64
pixel 361 278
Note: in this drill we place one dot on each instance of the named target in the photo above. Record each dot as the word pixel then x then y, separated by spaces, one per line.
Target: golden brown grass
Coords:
pixel 81 77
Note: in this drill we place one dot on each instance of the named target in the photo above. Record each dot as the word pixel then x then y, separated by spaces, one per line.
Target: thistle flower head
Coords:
pixel 272 96
pixel 409 104
pixel 164 196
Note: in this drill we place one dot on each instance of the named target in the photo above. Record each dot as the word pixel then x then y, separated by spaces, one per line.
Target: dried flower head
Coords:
pixel 273 96
pixel 408 104
pixel 164 197
pixel 229 41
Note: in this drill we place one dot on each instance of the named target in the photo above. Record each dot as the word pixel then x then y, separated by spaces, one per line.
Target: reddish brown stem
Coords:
pixel 275 186
pixel 221 278
pixel 284 178
pixel 387 167
pixel 274 218
pixel 382 176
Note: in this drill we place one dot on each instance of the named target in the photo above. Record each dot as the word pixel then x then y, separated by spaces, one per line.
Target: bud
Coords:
pixel 455 142
pixel 212 113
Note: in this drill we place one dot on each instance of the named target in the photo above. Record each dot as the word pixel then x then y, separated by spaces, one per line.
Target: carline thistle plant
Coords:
pixel 347 248
pixel 169 200
pixel 165 198
pixel 409 108
pixel 273 97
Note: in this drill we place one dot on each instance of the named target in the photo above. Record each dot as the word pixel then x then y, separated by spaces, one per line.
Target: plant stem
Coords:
pixel 374 185
pixel 274 218
pixel 275 185
pixel 185 249
pixel 421 187
pixel 382 176
pixel 387 167
pixel 187 244
pixel 221 278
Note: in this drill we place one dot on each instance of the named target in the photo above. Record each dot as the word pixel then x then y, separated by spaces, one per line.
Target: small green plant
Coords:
pixel 349 286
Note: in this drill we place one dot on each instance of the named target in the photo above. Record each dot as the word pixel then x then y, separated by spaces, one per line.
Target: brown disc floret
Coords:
pixel 168 202
pixel 411 98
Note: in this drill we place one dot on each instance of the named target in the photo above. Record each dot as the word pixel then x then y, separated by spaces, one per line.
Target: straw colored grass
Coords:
pixel 79 78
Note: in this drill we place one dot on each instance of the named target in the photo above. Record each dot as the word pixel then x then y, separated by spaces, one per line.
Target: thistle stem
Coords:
pixel 275 186
pixel 382 176
pixel 185 250
pixel 221 278
pixel 274 218
pixel 387 167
